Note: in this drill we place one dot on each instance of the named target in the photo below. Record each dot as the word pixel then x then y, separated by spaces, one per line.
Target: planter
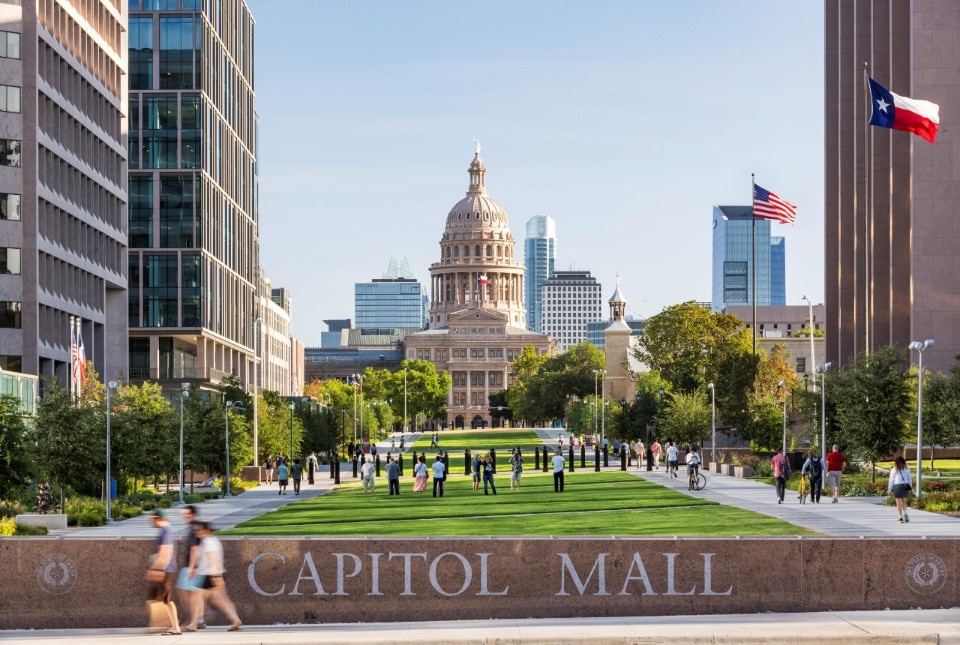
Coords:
pixel 742 472
pixel 727 469
pixel 51 522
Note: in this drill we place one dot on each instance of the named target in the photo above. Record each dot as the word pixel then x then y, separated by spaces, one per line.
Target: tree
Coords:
pixel 145 432
pixel 873 403
pixel 524 368
pixel 941 409
pixel 71 445
pixel 16 454
pixel 686 419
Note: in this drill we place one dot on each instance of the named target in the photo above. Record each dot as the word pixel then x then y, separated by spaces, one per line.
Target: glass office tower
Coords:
pixel 733 261
pixel 540 256
pixel 194 245
pixel 389 304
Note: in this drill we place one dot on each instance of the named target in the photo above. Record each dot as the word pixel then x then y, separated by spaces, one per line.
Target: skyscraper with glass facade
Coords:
pixel 63 193
pixel 194 246
pixel 733 229
pixel 386 303
pixel 540 256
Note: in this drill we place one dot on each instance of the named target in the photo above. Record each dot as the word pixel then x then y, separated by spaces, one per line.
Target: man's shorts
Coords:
pixel 515 475
pixel 283 482
pixel 833 478
pixel 672 464
pixel 476 477
pixel 691 468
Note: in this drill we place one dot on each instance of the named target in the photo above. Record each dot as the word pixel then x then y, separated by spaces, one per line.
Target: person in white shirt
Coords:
pixel 899 485
pixel 212 588
pixel 439 475
pixel 693 464
pixel 366 471
pixel 558 462
pixel 671 459
pixel 641 453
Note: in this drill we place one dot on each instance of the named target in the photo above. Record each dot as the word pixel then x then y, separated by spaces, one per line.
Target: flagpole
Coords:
pixel 867 213
pixel 73 355
pixel 753 255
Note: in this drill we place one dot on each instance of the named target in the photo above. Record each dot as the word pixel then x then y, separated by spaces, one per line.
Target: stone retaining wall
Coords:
pixel 59 583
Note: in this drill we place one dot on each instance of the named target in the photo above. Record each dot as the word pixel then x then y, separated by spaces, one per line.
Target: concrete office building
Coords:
pixel 571 300
pixel 540 257
pixel 63 192
pixel 733 230
pixel 905 284
pixel 194 244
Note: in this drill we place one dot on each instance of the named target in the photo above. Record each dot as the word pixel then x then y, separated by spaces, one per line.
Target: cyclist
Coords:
pixel 814 467
pixel 693 466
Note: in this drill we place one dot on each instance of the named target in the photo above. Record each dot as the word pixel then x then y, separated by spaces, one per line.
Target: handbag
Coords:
pixel 185 582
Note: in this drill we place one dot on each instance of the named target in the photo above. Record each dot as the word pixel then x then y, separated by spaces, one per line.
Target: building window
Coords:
pixel 458 379
pixel 10 311
pixel 496 379
pixel 10 207
pixel 423 354
pixel 496 352
pixel 9 44
pixel 442 354
pixel 478 399
pixel 10 152
pixel 9 98
pixel 10 261
pixel 801 365
pixel 11 363
pixel 477 352
pixel 459 398
pixel 460 353
pixel 476 379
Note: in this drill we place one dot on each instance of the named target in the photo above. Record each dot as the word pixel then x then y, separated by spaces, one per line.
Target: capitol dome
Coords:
pixel 477 209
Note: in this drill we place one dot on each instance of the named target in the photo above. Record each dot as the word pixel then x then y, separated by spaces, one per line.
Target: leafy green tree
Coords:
pixel 16 453
pixel 686 418
pixel 524 368
pixel 145 432
pixel 71 444
pixel 873 403
pixel 941 409
pixel 766 424
pixel 499 408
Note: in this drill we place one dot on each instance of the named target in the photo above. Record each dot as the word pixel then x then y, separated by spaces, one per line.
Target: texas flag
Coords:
pixel 481 279
pixel 890 110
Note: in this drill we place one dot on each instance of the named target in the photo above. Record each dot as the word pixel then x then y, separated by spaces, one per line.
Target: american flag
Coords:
pixel 766 205
pixel 79 360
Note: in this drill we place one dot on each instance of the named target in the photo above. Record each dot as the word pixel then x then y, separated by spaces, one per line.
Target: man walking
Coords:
pixel 311 467
pixel 641 453
pixel 475 467
pixel 558 463
pixel 781 471
pixel 191 595
pixel 393 476
pixel 283 475
pixel 439 474
pixel 672 459
pixel 516 471
pixel 656 449
pixel 297 473
pixel 163 572
pixel 366 471
pixel 488 474
pixel 835 461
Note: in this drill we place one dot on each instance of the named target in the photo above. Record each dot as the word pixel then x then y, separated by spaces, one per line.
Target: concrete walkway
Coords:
pixel 934 626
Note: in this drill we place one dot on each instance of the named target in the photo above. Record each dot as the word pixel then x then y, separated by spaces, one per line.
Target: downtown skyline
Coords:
pixel 624 123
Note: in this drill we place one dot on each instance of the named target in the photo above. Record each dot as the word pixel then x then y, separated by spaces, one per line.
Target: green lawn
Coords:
pixel 607 503
pixel 504 441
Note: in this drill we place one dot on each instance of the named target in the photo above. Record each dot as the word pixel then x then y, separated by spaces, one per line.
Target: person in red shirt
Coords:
pixel 835 461
pixel 781 471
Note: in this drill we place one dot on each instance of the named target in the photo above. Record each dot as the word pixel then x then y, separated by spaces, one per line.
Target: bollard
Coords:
pixel 400 463
pixel 596 458
pixel 544 459
pixel 336 476
pixel 466 462
pixel 606 456
pixel 571 458
pixel 332 458
pixel 377 462
pixel 624 457
pixel 493 459
pixel 649 460
pixel 583 456
pixel 536 458
pixel 354 466
pixel 629 458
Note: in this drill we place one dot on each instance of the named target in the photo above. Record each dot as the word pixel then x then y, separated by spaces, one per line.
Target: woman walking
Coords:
pixel 213 588
pixel 899 485
pixel 420 475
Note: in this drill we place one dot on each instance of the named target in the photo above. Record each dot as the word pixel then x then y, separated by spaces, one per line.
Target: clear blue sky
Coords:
pixel 625 121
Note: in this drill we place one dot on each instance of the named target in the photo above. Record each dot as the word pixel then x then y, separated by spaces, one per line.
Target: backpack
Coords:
pixel 816 468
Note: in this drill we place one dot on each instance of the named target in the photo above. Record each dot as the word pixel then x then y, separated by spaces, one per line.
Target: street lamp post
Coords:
pixel 813 359
pixel 111 386
pixel 292 406
pixel 822 371
pixel 783 384
pixel 713 424
pixel 256 386
pixel 184 393
pixel 235 405
pixel 596 373
pixel 603 399
pixel 918 347
pixel 404 400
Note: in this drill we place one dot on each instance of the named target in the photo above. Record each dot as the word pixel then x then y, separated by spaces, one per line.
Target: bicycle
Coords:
pixel 803 490
pixel 696 480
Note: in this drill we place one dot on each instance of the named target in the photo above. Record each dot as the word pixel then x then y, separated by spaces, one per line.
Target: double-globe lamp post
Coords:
pixel 292 406
pixel 783 384
pixel 918 347
pixel 713 423
pixel 236 406
pixel 184 393
pixel 822 371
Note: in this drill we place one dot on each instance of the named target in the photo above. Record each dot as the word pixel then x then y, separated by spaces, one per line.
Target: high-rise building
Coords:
pixel 904 283
pixel 571 300
pixel 63 190
pixel 540 256
pixel 394 301
pixel 194 245
pixel 733 229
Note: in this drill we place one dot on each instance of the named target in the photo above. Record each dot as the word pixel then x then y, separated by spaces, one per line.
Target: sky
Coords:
pixel 625 121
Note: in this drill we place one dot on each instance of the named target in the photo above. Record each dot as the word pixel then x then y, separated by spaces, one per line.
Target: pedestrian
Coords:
pixel 641 453
pixel 558 463
pixel 899 485
pixel 393 443
pixel 420 475
pixel 283 474
pixel 516 471
pixel 213 588
pixel 281 459
pixel 268 468
pixel 393 476
pixel 488 474
pixel 312 466
pixel 402 449
pixel 672 459
pixel 835 461
pixel 656 449
pixel 475 468
pixel 814 467
pixel 439 475
pixel 162 573
pixel 373 451
pixel 781 472
pixel 189 592
pixel 297 473
pixel 616 446
pixel 366 472
pixel 693 466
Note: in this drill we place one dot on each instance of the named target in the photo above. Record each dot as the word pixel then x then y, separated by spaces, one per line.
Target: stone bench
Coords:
pixel 53 522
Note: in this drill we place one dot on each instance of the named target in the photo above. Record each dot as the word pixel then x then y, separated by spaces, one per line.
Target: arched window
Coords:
pixel 448 251
pixel 476 250
pixel 489 250
pixel 499 251
pixel 466 251
pixel 456 251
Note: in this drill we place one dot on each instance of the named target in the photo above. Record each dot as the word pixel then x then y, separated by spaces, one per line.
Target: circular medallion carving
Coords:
pixel 926 573
pixel 56 574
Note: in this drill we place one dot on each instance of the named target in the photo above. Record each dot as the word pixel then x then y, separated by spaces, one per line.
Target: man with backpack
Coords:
pixel 814 467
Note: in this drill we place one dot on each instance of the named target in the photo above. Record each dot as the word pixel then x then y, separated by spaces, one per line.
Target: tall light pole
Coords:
pixel 184 393
pixel 783 384
pixel 404 399
pixel 292 406
pixel 822 371
pixel 603 399
pixel 918 347
pixel 256 386
pixel 235 405
pixel 596 373
pixel 353 384
pixel 813 358
pixel 713 423
pixel 111 386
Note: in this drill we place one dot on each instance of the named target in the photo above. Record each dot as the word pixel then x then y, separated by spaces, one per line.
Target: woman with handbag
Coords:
pixel 899 485
pixel 213 590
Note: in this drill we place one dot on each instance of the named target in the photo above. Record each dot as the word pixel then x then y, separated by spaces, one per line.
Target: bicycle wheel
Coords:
pixel 700 483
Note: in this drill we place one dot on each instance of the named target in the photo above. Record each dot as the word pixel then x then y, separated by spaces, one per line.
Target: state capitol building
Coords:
pixel 477 313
